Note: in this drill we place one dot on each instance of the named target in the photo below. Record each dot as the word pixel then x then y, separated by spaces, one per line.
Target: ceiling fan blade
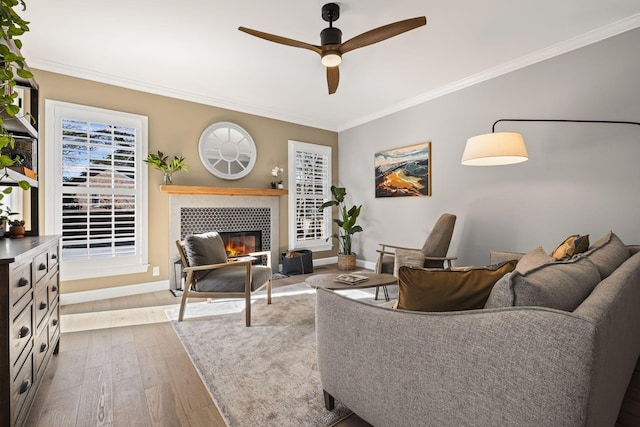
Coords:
pixel 281 40
pixel 333 78
pixel 382 33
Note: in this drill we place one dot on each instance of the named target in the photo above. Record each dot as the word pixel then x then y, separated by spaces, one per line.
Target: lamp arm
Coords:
pixel 493 128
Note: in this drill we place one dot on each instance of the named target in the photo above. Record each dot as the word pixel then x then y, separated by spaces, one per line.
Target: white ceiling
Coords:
pixel 192 49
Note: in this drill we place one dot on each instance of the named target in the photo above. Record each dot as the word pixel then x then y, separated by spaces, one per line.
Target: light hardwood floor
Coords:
pixel 122 364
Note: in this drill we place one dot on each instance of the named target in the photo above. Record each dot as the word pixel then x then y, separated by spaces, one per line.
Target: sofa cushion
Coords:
pixel 571 246
pixel 608 253
pixel 423 289
pixel 407 257
pixel 562 285
pixel 204 249
pixel 532 259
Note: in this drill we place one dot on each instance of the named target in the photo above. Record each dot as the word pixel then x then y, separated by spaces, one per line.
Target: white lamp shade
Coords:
pixel 493 149
pixel 331 59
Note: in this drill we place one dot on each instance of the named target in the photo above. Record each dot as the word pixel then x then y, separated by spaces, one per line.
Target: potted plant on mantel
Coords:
pixel 161 162
pixel 347 227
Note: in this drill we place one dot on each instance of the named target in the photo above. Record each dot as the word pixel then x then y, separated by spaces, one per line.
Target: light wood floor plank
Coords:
pixel 130 402
pixel 164 405
pixel 96 401
pixel 59 410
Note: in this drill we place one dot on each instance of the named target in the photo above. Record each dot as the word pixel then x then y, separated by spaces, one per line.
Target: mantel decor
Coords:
pixel 404 171
pixel 227 150
pixel 505 148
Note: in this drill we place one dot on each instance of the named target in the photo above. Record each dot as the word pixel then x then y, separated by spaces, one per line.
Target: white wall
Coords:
pixel 580 178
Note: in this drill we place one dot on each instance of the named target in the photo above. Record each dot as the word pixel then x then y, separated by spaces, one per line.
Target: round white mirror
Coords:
pixel 227 150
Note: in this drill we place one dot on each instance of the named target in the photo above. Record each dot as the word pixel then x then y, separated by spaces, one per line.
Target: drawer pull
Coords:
pixel 43 305
pixel 24 332
pixel 42 266
pixel 23 282
pixel 54 256
pixel 54 322
pixel 43 347
pixel 25 386
pixel 54 288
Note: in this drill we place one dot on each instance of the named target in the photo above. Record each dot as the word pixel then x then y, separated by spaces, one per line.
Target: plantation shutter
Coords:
pixel 309 188
pixel 99 199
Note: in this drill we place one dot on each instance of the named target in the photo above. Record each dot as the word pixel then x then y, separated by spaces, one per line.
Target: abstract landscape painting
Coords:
pixel 404 171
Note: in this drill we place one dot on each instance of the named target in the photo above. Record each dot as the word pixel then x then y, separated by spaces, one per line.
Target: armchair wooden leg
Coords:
pixel 183 302
pixel 329 401
pixel 269 292
pixel 248 310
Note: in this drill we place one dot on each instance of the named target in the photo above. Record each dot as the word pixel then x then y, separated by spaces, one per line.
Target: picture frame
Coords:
pixel 403 171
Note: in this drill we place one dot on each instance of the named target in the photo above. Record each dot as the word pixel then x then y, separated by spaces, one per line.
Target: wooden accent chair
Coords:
pixel 210 274
pixel 434 249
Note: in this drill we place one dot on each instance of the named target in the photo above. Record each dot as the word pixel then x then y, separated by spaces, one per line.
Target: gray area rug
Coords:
pixel 264 375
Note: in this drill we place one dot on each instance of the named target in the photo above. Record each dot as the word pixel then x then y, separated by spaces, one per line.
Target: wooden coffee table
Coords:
pixel 326 281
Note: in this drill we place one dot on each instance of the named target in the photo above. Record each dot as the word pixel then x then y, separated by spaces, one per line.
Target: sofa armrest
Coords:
pixel 520 366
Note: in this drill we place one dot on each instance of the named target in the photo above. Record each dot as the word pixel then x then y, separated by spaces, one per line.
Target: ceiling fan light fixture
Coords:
pixel 331 58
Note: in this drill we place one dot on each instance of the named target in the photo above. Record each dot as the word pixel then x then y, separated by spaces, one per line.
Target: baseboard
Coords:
pixel 115 292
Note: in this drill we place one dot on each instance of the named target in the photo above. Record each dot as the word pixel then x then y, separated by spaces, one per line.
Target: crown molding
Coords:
pixel 583 40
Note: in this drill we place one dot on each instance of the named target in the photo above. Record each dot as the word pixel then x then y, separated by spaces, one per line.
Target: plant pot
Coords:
pixel 16 231
pixel 167 179
pixel 346 262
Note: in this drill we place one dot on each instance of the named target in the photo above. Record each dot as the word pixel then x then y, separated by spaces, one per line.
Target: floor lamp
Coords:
pixel 506 148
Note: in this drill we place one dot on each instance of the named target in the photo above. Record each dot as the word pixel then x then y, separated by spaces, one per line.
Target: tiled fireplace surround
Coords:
pixel 202 213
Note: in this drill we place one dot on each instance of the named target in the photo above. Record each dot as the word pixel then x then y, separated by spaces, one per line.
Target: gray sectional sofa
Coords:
pixel 554 346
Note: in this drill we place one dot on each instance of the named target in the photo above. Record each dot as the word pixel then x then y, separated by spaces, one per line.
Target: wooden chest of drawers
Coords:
pixel 29 320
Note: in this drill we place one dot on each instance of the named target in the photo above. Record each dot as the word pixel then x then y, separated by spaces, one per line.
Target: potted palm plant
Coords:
pixel 346 227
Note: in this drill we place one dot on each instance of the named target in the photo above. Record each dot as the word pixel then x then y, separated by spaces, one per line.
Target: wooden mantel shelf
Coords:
pixel 221 191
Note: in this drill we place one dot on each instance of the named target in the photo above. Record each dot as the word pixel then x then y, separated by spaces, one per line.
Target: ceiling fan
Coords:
pixel 331 47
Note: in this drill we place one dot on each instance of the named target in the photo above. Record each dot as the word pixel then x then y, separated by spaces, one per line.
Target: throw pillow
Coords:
pixel 407 257
pixel 562 285
pixel 608 253
pixel 532 259
pixel 204 249
pixel 423 289
pixel 571 246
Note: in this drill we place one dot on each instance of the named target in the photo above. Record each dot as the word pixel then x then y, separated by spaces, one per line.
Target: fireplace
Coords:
pixel 238 243
pixel 192 214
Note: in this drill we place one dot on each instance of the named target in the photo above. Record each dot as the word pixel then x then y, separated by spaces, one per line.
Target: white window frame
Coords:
pixel 55 112
pixel 320 244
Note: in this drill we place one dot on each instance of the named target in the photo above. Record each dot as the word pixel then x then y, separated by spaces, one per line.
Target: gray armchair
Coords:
pixel 210 274
pixel 434 249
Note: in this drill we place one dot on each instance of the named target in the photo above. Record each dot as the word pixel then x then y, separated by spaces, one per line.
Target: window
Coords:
pixel 95 189
pixel 309 188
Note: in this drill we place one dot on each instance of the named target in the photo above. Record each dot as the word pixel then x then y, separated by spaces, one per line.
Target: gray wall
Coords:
pixel 580 178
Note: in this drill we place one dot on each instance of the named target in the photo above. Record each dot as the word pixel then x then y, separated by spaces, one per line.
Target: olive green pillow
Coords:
pixel 570 246
pixel 423 289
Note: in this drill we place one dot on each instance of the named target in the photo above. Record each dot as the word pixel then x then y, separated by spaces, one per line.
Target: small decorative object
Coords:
pixel 404 171
pixel 347 227
pixel 276 182
pixel 160 161
pixel 16 228
pixel 227 150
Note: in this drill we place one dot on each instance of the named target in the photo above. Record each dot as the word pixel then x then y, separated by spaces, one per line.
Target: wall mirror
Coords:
pixel 227 150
